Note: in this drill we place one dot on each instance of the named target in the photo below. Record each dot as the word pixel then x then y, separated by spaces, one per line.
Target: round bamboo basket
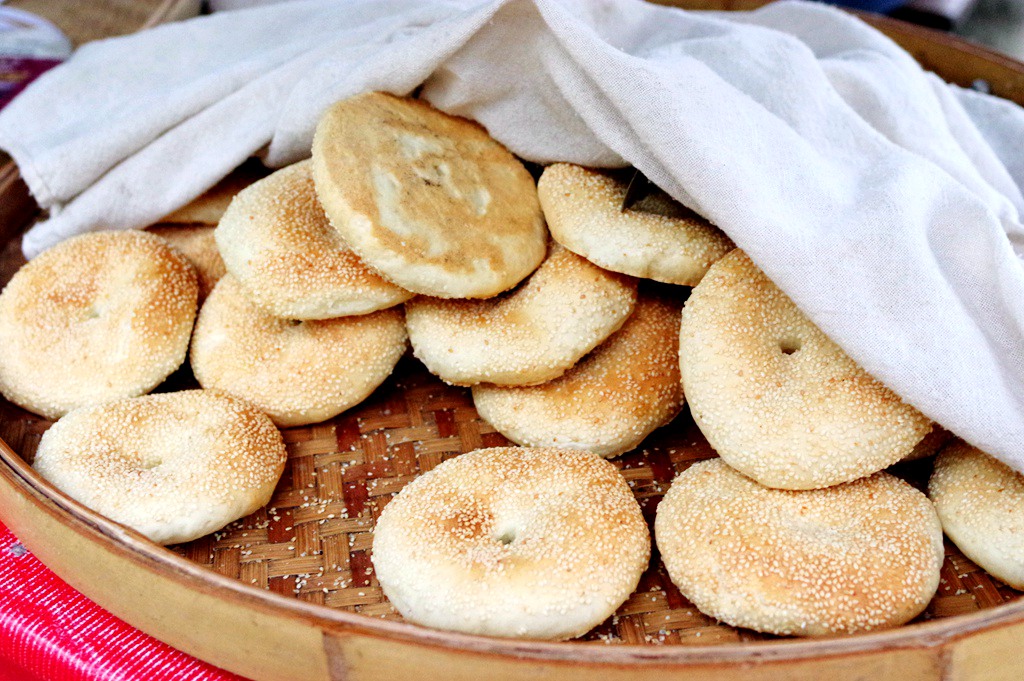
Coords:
pixel 289 592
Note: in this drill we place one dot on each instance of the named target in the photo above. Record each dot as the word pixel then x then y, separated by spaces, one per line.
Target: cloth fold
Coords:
pixel 884 202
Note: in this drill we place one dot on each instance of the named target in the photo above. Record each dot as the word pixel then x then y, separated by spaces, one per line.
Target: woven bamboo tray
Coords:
pixel 289 592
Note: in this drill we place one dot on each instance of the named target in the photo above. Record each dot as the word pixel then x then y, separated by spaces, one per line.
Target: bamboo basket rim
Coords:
pixel 150 556
pixel 141 550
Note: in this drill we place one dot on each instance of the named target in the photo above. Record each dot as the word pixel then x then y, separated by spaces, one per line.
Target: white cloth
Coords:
pixel 884 202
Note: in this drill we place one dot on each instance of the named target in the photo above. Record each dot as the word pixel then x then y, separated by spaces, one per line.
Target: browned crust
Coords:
pixel 610 401
pixel 427 199
pixel 655 239
pixel 297 372
pixel 197 244
pixel 529 335
pixel 97 317
pixel 277 241
pixel 860 556
pixel 775 397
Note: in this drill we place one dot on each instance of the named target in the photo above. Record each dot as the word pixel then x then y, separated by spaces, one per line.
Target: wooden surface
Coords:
pixel 85 20
pixel 241 601
pixel 956 60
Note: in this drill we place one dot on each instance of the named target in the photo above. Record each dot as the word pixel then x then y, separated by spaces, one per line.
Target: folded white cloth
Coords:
pixel 884 202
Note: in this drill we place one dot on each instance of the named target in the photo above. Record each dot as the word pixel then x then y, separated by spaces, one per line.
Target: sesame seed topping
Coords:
pixel 174 466
pixel 656 239
pixel 544 543
pixel 529 335
pixel 859 556
pixel 97 317
pixel 775 397
pixel 610 401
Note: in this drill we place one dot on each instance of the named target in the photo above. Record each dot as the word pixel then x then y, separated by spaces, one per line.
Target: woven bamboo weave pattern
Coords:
pixel 314 541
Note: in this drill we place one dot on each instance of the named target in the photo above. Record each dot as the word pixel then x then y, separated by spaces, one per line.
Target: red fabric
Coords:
pixel 51 631
pixel 12 672
pixel 15 75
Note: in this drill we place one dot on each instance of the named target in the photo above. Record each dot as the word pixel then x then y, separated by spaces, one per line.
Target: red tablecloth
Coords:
pixel 49 630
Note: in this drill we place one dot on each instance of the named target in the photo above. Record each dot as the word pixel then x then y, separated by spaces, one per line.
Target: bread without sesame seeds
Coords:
pixel 427 199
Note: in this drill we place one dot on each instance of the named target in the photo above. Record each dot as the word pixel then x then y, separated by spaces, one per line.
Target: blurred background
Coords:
pixel 998 24
pixel 36 35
